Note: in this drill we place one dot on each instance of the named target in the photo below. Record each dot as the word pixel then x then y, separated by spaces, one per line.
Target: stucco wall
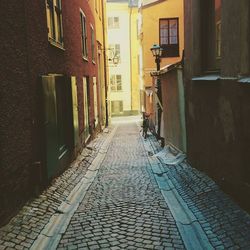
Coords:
pixel 15 112
pixel 217 111
pixel 150 29
pixel 121 36
pixel 27 55
pixel 218 138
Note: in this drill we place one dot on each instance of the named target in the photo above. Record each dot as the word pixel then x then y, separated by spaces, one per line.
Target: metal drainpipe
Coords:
pixel 105 67
pixel 130 51
pixel 157 60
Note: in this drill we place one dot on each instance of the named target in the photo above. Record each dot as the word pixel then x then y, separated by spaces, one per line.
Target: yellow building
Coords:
pixel 161 22
pixel 123 56
pixel 98 8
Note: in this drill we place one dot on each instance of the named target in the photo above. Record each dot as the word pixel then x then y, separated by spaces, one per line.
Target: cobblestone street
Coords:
pixel 117 195
pixel 124 208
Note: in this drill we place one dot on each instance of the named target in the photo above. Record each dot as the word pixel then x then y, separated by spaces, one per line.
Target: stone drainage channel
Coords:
pixel 191 231
pixel 51 235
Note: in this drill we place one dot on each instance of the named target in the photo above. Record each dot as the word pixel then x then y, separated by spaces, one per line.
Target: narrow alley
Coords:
pixel 116 196
pixel 124 124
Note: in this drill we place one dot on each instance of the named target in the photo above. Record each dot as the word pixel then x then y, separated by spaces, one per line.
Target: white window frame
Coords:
pixel 116 83
pixel 114 52
pixel 113 22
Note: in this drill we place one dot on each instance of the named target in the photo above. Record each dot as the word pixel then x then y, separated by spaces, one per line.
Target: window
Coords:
pixel 114 53
pixel 211 26
pixel 169 37
pixel 116 107
pixel 54 21
pixel 116 83
pixel 92 43
pixel 84 35
pixel 113 22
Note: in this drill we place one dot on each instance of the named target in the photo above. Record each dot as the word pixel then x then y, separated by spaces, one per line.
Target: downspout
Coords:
pixel 105 68
pixel 130 52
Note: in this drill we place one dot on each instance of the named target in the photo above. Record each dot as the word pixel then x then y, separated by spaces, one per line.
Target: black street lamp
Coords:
pixel 157 52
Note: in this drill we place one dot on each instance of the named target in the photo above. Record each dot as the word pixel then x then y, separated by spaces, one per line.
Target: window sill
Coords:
pixel 85 59
pixel 217 77
pixel 244 80
pixel 211 77
pixel 113 64
pixel 56 44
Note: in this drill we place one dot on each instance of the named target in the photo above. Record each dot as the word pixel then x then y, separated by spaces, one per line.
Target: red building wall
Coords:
pixel 27 55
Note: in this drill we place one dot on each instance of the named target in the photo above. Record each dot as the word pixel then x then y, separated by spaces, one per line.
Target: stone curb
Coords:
pixel 24 228
pixel 192 234
pixel 51 235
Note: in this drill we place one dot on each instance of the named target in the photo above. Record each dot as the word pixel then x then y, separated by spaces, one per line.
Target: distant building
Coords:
pixel 162 23
pixel 217 84
pixel 50 92
pixel 123 57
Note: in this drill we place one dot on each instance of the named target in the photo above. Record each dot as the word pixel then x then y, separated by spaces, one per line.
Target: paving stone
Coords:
pixel 94 247
pixel 36 213
pixel 124 207
pixel 104 246
pixel 214 210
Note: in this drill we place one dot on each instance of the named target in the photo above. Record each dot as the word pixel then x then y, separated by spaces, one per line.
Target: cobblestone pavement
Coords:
pixel 25 227
pixel 226 225
pixel 124 208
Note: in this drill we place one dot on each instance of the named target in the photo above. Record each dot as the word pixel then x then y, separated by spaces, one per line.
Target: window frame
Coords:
pixel 84 35
pixel 114 83
pixel 170 49
pixel 54 22
pixel 114 52
pixel 92 32
pixel 211 60
pixel 111 22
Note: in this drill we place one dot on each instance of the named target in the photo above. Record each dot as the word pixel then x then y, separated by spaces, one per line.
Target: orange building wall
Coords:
pixel 150 28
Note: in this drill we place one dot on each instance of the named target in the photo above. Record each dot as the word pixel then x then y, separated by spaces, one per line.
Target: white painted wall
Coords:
pixel 121 36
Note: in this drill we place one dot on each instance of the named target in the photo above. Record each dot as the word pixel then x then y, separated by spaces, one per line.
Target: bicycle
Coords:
pixel 145 125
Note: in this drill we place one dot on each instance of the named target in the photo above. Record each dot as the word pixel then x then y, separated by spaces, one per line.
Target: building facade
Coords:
pixel 123 57
pixel 161 23
pixel 99 9
pixel 217 69
pixel 50 93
